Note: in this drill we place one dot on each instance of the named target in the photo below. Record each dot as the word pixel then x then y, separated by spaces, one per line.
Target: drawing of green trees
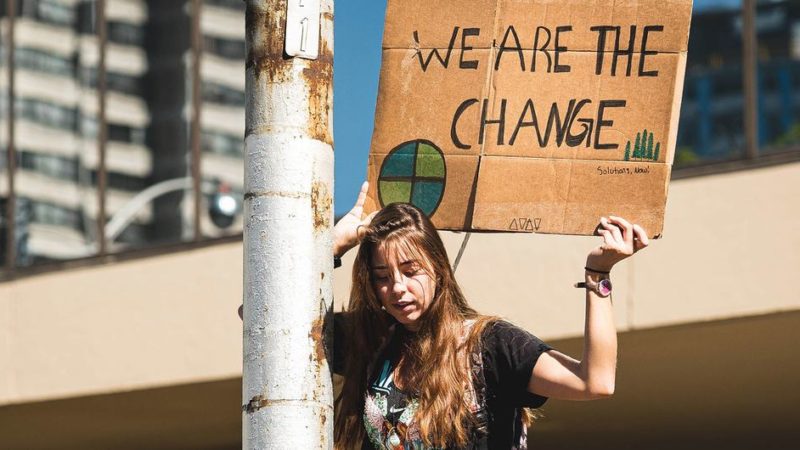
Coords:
pixel 643 149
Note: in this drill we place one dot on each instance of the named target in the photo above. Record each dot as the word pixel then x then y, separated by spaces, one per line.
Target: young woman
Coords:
pixel 423 370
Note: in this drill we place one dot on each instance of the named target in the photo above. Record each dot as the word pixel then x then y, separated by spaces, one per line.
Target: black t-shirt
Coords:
pixel 508 354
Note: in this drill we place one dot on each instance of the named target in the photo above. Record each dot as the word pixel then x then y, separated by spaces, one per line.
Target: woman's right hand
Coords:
pixel 346 231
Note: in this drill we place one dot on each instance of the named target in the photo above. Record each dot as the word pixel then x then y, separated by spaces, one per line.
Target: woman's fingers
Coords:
pixel 615 232
pixel 627 228
pixel 621 239
pixel 358 208
pixel 608 238
pixel 362 195
pixel 641 240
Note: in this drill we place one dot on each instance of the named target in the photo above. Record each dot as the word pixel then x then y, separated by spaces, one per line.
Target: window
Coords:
pixel 46 11
pixel 51 214
pixel 229 4
pixel 778 29
pixel 126 84
pixel 712 124
pixel 42 61
pixel 125 33
pixel 125 133
pixel 217 93
pixel 50 165
pixel 223 144
pixel 711 112
pixel 46 113
pixel 226 48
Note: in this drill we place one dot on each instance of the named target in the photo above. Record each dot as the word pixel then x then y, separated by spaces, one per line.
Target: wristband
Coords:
pixel 589 269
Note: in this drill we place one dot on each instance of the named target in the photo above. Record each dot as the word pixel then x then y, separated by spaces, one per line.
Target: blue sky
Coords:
pixel 357 57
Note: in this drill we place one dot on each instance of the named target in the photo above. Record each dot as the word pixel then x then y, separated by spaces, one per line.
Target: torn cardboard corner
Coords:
pixel 529 116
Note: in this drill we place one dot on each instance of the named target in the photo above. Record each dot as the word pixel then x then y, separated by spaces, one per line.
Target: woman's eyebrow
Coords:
pixel 404 263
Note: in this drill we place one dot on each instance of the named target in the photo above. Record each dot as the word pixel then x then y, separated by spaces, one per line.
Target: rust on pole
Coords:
pixel 11 152
pixel 102 137
pixel 197 107
pixel 287 396
pixel 750 77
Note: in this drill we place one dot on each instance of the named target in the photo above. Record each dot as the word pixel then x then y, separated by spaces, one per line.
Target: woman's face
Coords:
pixel 403 286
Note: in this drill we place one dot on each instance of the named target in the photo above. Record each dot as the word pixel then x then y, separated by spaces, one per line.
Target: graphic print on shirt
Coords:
pixel 389 415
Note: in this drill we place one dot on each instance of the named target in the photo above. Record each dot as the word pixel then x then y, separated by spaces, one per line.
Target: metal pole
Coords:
pixel 750 77
pixel 197 106
pixel 288 264
pixel 11 154
pixel 102 176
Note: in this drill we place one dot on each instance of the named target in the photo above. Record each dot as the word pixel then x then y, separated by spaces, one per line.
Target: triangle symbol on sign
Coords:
pixel 513 226
pixel 528 225
pixel 536 223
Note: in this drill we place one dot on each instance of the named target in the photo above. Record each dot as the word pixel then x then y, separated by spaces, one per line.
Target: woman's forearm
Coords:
pixel 599 362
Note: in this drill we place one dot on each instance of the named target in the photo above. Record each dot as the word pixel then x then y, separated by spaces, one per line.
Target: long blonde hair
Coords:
pixel 434 358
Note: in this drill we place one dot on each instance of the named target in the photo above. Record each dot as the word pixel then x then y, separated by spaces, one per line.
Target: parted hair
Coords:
pixel 434 364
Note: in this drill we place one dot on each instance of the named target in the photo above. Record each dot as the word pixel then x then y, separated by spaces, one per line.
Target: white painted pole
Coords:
pixel 288 258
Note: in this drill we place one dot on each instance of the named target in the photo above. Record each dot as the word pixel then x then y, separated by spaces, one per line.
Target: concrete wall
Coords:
pixel 730 248
pixel 132 325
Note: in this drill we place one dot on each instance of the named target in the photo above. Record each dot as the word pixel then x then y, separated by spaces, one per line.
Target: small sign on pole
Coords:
pixel 302 28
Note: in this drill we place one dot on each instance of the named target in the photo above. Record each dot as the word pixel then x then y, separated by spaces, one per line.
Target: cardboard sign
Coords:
pixel 529 115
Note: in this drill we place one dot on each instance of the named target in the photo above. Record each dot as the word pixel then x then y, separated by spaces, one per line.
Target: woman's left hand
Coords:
pixel 621 239
pixel 346 231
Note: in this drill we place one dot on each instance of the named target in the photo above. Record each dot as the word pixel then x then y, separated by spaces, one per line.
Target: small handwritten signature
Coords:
pixel 611 170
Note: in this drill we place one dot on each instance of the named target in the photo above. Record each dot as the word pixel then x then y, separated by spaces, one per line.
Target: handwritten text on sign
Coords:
pixel 560 118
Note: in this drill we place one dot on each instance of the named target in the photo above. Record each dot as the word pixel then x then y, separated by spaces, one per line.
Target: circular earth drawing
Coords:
pixel 413 172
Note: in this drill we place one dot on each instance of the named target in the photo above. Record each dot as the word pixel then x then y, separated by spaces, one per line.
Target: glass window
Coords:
pixel 118 82
pixel 778 29
pixel 218 93
pixel 43 61
pixel 125 33
pixel 50 165
pixel 46 113
pixel 223 144
pixel 226 48
pixel 230 4
pixel 711 121
pixel 45 11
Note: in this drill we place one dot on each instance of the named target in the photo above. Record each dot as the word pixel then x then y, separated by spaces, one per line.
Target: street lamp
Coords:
pixel 222 209
pixel 222 205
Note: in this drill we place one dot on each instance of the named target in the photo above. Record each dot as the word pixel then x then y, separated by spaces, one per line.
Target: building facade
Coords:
pixel 148 117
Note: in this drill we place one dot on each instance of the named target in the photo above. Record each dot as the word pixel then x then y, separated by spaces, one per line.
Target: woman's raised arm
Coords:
pixel 560 376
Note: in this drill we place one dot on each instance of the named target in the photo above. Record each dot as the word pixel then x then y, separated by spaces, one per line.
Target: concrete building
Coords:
pixel 142 347
pixel 149 110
